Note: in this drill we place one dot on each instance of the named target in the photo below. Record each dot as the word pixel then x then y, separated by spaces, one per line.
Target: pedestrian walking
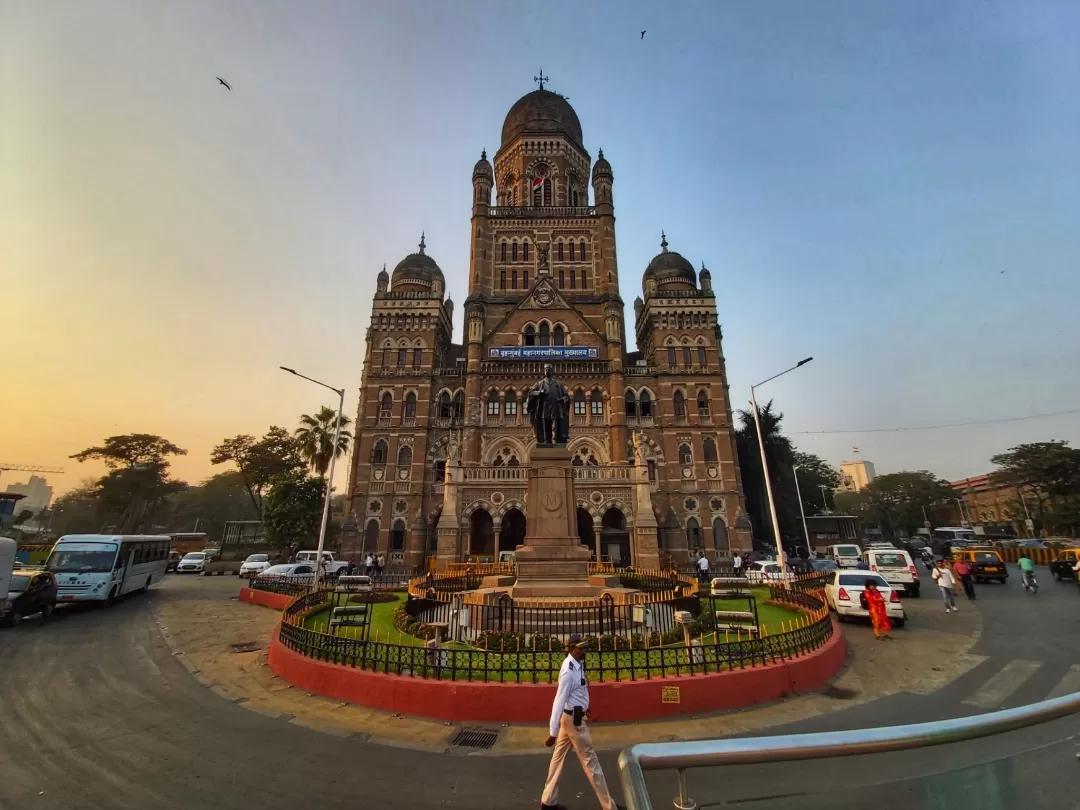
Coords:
pixel 946 581
pixel 703 568
pixel 380 564
pixel 962 569
pixel 369 564
pixel 875 603
pixel 736 563
pixel 567 729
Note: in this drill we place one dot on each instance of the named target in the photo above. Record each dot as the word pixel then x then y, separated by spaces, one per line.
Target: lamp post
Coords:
pixel 780 556
pixel 330 479
pixel 802 511
pixel 824 499
pixel 960 505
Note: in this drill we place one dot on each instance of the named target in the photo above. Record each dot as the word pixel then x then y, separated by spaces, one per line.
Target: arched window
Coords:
pixel 583 278
pixel 579 403
pixel 558 337
pixel 525 252
pixel 525 279
pixel 702 360
pixel 645 405
pixel 513 251
pixel 545 335
pixel 693 533
pixel 573 197
pixel 631 404
pixel 686 356
pixel 560 251
pixel 596 402
pixel 530 336
pixel 410 406
pixel 502 279
pixel 397 536
pixel 404 457
pixel 708 450
pixel 562 278
pixel 386 354
pixel 386 405
pixel 571 251
pixel 685 456
pixel 493 404
pixel 702 403
pixel 378 452
pixel 581 255
pixel 502 252
pixel 719 534
pixel 671 356
pixel 652 469
pixel 513 279
pixel 459 405
pixel 417 358
pixel 680 403
pixel 444 405
pixel 573 279
pixel 510 403
pixel 402 357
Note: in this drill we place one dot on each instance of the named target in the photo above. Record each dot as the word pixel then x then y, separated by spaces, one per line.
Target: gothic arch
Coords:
pixel 685 340
pixel 495 446
pixel 615 503
pixel 669 341
pixel 467 512
pixel 439 449
pixel 702 342
pixel 591 508
pixel 650 448
pixel 598 448
pixel 506 506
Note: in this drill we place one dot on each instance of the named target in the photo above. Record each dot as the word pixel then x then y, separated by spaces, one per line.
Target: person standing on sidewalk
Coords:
pixel 875 604
pixel 736 563
pixel 962 569
pixel 567 730
pixel 947 583
pixel 703 568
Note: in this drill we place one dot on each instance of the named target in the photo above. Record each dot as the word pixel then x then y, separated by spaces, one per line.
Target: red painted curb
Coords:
pixel 277 601
pixel 531 703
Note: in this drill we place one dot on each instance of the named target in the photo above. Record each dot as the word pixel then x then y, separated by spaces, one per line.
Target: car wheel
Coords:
pixel 146 587
pixel 110 600
pixel 899 623
pixel 46 610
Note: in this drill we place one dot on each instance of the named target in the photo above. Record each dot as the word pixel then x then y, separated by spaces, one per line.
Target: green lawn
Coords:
pixel 382 624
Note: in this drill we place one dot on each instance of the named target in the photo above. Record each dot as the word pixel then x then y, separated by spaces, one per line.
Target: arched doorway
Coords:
pixel 693 534
pixel 614 538
pixel 481 534
pixel 585 533
pixel 371 536
pixel 397 536
pixel 719 535
pixel 512 533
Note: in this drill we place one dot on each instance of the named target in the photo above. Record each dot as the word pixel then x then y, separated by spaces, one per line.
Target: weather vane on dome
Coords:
pixel 541 79
pixel 422 245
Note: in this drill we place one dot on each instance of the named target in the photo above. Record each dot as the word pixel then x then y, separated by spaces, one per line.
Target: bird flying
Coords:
pixel 223 83
pixel 643 35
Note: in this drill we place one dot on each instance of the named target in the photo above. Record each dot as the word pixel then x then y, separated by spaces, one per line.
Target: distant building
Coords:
pixel 991 505
pixel 36 492
pixel 856 476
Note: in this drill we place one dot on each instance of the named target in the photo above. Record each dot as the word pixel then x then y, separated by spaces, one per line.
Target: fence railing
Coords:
pixel 680 756
pixel 514 656
pixel 657 585
pixel 289 586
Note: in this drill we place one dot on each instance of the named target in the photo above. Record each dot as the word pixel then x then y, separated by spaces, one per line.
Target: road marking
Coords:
pixel 1011 677
pixel 1068 684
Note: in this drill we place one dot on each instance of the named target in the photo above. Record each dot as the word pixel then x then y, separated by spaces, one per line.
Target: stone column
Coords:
pixel 449 533
pixel 646 552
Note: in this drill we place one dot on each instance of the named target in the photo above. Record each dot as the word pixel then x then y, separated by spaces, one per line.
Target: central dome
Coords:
pixel 541 112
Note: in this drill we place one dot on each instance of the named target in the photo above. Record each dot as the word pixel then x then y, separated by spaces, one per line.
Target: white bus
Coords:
pixel 101 567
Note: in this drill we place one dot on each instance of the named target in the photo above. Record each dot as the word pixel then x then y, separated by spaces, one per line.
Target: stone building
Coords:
pixel 438 468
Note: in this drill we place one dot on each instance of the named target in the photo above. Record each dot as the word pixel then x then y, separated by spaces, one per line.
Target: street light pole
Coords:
pixel 780 556
pixel 802 510
pixel 960 505
pixel 330 479
pixel 824 498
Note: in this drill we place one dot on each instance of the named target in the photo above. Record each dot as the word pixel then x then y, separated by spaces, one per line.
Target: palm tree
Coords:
pixel 315 438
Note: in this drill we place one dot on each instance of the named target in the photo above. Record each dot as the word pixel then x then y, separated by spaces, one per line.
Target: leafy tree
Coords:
pixel 259 460
pixel 1047 470
pixel 138 479
pixel 897 500
pixel 315 437
pixel 77 511
pixel 779 452
pixel 292 510
pixel 815 473
pixel 218 499
pixel 23 516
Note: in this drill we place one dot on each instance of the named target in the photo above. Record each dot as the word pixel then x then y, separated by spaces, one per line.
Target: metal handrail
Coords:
pixel 635 760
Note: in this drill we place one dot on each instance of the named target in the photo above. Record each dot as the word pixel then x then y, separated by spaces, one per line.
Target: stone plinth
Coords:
pixel 552 561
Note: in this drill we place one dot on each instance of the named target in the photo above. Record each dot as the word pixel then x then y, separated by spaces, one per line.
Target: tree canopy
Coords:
pixel 258 461
pixel 1048 472
pixel 897 500
pixel 292 512
pixel 315 438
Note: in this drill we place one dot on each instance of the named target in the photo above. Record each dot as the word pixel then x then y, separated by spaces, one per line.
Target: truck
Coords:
pixel 331 565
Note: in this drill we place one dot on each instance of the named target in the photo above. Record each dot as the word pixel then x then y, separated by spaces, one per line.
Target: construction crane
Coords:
pixel 31 468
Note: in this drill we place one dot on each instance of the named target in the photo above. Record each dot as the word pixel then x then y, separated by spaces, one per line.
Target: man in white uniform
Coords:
pixel 567 730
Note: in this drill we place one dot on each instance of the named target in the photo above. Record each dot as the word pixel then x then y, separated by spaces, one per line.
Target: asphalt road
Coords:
pixel 95 712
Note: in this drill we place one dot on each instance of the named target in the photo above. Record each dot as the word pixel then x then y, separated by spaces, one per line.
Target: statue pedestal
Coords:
pixel 552 562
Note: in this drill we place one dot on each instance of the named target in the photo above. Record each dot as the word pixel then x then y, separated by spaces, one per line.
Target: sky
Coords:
pixel 890 188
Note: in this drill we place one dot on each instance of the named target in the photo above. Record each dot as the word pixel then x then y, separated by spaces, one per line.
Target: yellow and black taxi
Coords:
pixel 30 591
pixel 986 563
pixel 1062 564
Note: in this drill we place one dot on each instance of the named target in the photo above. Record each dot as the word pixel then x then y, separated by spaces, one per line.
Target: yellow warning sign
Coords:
pixel 669 694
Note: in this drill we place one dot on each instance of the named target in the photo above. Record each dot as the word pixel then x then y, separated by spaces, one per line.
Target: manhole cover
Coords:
pixel 840 693
pixel 475 738
pixel 245 646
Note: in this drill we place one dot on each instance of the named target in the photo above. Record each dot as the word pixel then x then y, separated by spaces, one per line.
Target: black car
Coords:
pixel 30 592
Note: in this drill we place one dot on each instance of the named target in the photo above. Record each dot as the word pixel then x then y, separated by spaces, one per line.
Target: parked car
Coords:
pixel 254 565
pixel 1062 565
pixel 761 571
pixel 822 566
pixel 845 555
pixel 843 588
pixel 331 565
pixel 1030 544
pixel 192 563
pixel 30 591
pixel 896 566
pixel 297 571
pixel 211 553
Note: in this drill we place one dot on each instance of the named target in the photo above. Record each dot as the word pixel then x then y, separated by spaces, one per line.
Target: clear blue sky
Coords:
pixel 889 187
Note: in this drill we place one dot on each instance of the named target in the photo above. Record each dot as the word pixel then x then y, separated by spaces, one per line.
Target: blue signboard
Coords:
pixel 544 353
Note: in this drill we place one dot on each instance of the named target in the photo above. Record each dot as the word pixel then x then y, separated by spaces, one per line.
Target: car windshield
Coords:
pixel 83 561
pixel 891 560
pixel 847 551
pixel 18 584
pixel 195 555
pixel 258 558
pixel 859 580
pixel 987 557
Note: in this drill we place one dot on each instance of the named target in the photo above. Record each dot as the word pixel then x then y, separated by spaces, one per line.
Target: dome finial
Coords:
pixel 483 154
pixel 422 245
pixel 541 79
pixel 600 154
pixel 663 242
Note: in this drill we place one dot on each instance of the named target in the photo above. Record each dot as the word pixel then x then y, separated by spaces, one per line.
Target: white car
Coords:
pixel 191 563
pixel 896 566
pixel 254 565
pixel 291 571
pixel 843 588
pixel 760 571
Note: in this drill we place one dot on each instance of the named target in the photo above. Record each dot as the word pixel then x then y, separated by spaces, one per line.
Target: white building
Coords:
pixel 37 493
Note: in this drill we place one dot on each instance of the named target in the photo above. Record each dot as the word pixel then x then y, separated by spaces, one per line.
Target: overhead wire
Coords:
pixel 939 427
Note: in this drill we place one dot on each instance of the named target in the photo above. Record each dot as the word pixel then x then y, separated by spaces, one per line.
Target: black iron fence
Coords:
pixel 290 586
pixel 512 656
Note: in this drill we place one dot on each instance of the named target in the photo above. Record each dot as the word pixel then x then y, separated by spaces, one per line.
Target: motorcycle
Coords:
pixel 1031 585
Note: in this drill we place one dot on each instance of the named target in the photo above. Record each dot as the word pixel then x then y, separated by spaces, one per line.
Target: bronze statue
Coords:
pixel 548 405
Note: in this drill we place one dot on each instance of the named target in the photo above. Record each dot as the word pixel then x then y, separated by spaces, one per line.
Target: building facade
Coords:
pixel 443 440
pixel 36 492
pixel 855 476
